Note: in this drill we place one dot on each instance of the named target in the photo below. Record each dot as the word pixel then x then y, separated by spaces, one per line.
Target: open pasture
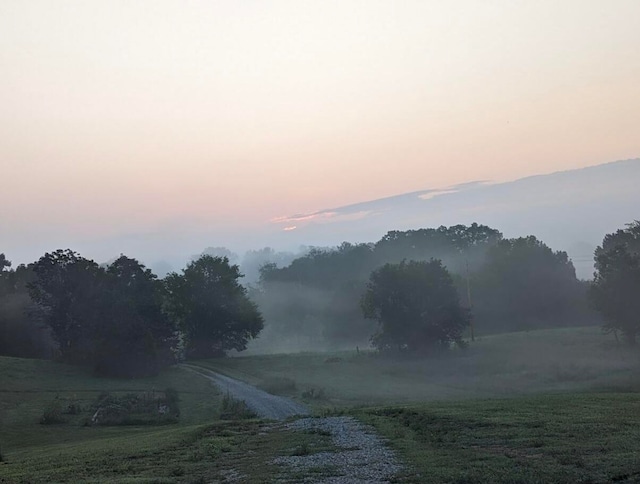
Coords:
pixel 547 361
pixel 540 406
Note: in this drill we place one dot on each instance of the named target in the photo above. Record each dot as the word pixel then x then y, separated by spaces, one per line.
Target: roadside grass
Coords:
pixel 557 360
pixel 218 452
pixel 234 409
pixel 550 438
pixel 200 447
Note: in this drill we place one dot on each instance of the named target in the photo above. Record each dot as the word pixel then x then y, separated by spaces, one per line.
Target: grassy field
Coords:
pixel 217 452
pixel 28 387
pixel 550 438
pixel 549 361
pixel 544 406
pixel 199 448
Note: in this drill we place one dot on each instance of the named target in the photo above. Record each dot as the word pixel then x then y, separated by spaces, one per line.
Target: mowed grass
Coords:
pixel 199 448
pixel 548 361
pixel 47 453
pixel 223 451
pixel 551 438
pixel 544 406
pixel 28 387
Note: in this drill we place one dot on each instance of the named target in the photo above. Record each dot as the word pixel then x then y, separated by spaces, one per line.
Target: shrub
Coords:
pixel 146 408
pixel 234 409
pixel 73 408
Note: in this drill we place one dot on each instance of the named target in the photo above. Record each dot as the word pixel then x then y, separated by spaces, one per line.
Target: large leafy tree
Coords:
pixel 455 246
pixel 20 333
pixel 212 307
pixel 110 318
pixel 68 289
pixel 615 291
pixel 319 293
pixel 134 335
pixel 416 305
pixel 524 284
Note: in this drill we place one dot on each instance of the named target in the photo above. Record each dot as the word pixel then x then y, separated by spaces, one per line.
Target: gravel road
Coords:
pixel 262 403
pixel 360 457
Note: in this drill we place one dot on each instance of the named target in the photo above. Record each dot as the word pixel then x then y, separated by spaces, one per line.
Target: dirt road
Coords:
pixel 360 456
pixel 262 403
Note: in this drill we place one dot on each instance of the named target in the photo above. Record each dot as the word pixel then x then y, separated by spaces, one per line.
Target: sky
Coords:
pixel 196 123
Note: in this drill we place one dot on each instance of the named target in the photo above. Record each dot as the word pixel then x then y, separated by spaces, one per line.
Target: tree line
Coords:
pixel 506 285
pixel 413 290
pixel 119 318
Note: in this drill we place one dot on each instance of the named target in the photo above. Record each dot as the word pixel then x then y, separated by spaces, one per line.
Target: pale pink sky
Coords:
pixel 124 116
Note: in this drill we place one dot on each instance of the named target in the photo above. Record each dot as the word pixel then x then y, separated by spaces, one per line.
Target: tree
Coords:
pixel 212 308
pixel 416 305
pixel 253 260
pixel 110 318
pixel 4 262
pixel 615 291
pixel 455 246
pixel 67 289
pixel 523 284
pixel 20 333
pixel 218 252
pixel 134 335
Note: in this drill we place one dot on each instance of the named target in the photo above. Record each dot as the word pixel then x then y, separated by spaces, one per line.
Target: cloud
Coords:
pixel 362 210
pixel 435 193
pixel 320 218
pixel 304 217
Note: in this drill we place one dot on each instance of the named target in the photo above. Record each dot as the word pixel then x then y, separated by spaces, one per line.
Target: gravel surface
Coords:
pixel 363 456
pixel 262 403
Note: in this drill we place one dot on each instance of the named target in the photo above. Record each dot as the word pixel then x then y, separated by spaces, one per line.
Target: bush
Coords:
pixel 234 409
pixel 147 408
pixel 73 408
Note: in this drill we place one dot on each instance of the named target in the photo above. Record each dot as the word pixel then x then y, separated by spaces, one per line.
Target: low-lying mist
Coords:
pixel 313 302
pixel 544 361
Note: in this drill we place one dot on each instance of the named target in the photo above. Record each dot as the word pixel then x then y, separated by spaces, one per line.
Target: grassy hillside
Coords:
pixel 559 360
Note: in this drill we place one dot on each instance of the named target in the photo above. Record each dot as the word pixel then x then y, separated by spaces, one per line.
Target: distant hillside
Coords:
pixel 569 210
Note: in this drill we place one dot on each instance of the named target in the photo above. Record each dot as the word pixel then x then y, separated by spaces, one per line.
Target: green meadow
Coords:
pixel 539 406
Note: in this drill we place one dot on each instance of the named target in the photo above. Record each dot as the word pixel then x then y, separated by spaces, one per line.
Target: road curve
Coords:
pixel 264 404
